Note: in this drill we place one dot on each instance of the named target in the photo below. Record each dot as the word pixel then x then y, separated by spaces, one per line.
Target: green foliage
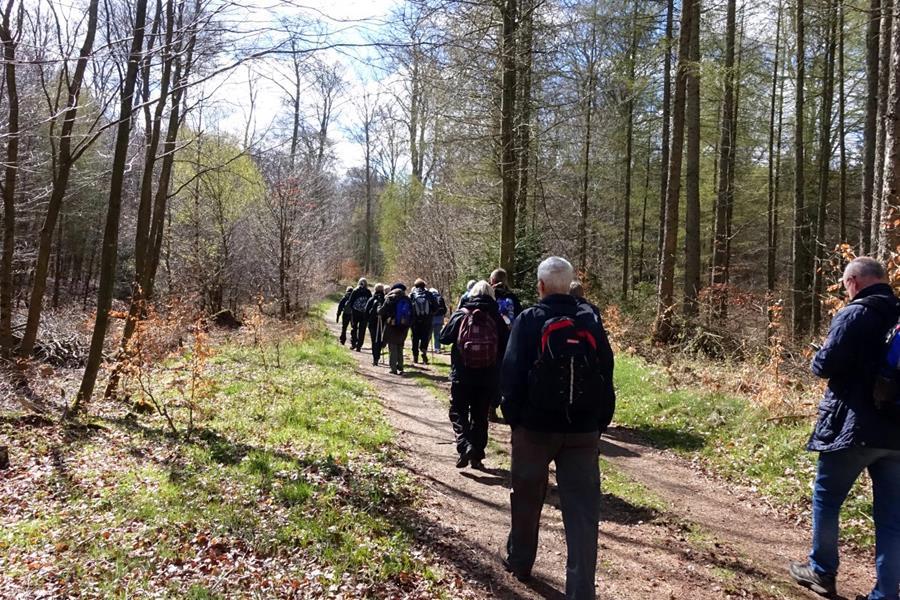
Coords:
pixel 396 205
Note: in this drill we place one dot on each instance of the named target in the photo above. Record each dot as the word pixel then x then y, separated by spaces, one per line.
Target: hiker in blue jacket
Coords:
pixel 478 343
pixel 852 435
pixel 558 397
pixel 396 316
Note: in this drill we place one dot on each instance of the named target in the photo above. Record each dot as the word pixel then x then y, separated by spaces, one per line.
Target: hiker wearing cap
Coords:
pixel 478 338
pixel 396 316
pixel 358 299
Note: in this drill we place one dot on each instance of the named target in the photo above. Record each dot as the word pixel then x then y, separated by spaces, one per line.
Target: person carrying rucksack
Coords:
pixel 358 299
pixel 373 306
pixel 858 430
pixel 465 295
pixel 344 309
pixel 437 321
pixel 507 301
pixel 424 308
pixel 558 398
pixel 396 315
pixel 478 337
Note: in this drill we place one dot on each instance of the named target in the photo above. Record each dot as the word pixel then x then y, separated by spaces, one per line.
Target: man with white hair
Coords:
pixel 858 430
pixel 557 389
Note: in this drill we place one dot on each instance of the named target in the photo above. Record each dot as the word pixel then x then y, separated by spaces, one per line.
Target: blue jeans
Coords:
pixel 436 333
pixel 837 471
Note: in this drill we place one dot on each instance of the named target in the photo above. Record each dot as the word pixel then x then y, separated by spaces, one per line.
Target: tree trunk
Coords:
pixel 870 128
pixel 825 153
pixel 666 133
pixel 842 129
pixel 891 212
pixel 524 80
pixel 629 144
pixel 692 174
pixel 60 185
pixel 508 162
pixel 884 69
pixel 9 39
pixel 802 256
pixel 772 221
pixel 111 231
pixel 664 326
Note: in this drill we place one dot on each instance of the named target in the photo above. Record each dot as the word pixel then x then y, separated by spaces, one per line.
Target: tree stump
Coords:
pixel 4 457
pixel 225 318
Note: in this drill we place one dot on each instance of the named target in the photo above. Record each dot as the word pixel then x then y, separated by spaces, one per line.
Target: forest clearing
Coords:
pixel 638 332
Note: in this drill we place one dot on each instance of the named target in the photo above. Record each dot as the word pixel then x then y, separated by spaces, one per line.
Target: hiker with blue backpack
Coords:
pixel 396 316
pixel 558 398
pixel 858 429
pixel 343 309
pixel 424 308
pixel 478 336
pixel 376 326
pixel 357 302
pixel 507 301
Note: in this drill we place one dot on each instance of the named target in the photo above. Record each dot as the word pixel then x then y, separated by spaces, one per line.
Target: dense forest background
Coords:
pixel 706 166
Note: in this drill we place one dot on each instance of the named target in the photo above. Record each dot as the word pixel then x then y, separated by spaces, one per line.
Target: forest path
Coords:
pixel 698 538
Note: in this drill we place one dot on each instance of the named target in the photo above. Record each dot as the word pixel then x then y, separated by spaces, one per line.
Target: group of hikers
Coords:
pixel 550 370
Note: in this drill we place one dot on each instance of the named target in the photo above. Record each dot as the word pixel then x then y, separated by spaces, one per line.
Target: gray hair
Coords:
pixel 481 288
pixel 557 274
pixel 379 287
pixel 363 282
pixel 470 284
pixel 499 276
pixel 865 266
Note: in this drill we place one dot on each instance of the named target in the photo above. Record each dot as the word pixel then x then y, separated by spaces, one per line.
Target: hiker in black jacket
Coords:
pixel 577 290
pixel 474 377
pixel 509 304
pixel 376 330
pixel 424 307
pixel 556 383
pixel 396 315
pixel 357 303
pixel 344 309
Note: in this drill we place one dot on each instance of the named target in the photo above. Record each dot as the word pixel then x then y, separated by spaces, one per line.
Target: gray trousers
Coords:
pixel 395 356
pixel 578 479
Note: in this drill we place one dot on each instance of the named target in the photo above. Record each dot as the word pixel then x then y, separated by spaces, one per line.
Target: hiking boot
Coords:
pixel 804 574
pixel 477 464
pixel 519 575
pixel 393 371
pixel 415 360
pixel 424 360
pixel 463 461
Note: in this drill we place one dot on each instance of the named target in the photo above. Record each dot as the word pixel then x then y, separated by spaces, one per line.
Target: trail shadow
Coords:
pixel 490 480
pixel 658 436
pixel 613 509
pixel 612 450
pixel 418 373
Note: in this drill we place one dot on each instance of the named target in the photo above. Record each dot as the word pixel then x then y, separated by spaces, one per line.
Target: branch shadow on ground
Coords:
pixel 658 436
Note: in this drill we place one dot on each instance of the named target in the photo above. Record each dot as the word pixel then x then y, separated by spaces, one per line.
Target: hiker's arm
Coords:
pixel 607 392
pixel 450 332
pixel 514 374
pixel 838 355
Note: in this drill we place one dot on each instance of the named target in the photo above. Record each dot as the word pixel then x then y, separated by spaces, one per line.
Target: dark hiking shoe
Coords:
pixel 804 574
pixel 463 460
pixel 415 360
pixel 424 360
pixel 477 464
pixel 393 371
pixel 519 575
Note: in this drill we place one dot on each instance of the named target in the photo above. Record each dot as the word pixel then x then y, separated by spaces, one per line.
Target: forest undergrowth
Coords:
pixel 283 483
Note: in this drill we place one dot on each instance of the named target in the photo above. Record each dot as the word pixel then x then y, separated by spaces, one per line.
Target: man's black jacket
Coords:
pixel 490 376
pixel 344 307
pixel 522 352
pixel 373 306
pixel 850 359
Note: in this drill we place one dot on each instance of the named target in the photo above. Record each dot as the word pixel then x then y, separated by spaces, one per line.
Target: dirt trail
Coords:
pixel 711 541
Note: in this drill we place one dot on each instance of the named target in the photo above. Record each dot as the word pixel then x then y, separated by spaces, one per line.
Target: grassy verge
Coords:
pixel 286 486
pixel 734 437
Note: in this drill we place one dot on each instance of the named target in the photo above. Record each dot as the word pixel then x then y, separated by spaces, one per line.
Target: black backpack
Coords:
pixel 567 374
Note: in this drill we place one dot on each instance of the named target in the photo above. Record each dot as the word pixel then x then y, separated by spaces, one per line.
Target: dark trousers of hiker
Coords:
pixel 375 336
pixel 395 356
pixel 469 406
pixel 578 480
pixel 358 333
pixel 421 335
pixel 345 322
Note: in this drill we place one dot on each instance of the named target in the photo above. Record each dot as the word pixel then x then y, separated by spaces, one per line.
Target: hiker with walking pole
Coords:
pixel 558 397
pixel 396 315
pixel 478 338
pixel 343 309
